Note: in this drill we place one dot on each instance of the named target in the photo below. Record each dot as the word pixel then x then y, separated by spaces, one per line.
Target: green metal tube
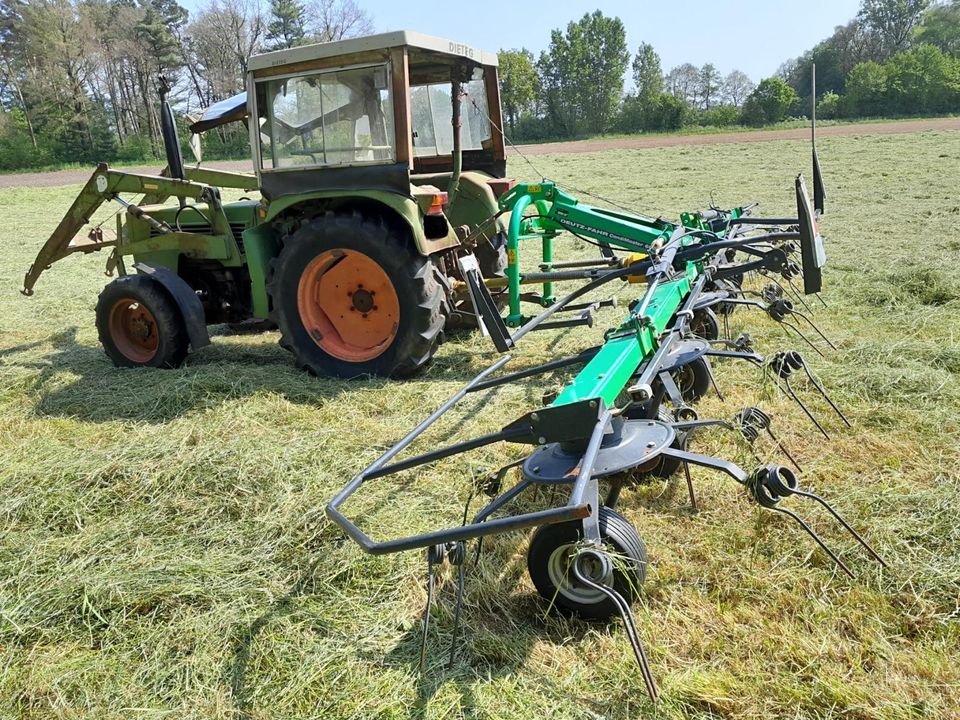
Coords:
pixel 514 319
pixel 548 296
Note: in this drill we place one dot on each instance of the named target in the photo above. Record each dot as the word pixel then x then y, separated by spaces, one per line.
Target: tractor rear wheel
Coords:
pixel 352 298
pixel 140 325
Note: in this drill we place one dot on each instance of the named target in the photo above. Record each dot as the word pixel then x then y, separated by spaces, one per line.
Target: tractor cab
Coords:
pixel 379 112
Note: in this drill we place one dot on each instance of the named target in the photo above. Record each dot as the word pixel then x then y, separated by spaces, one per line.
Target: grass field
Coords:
pixel 163 550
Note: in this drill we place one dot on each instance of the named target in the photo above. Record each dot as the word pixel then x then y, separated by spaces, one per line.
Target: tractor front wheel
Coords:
pixel 140 325
pixel 352 298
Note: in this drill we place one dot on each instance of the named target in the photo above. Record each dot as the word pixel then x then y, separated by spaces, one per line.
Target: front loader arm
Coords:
pixel 102 186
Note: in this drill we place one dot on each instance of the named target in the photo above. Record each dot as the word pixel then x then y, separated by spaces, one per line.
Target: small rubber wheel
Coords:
pixel 668 465
pixel 692 379
pixel 705 324
pixel 550 564
pixel 721 307
pixel 352 297
pixel 492 256
pixel 140 325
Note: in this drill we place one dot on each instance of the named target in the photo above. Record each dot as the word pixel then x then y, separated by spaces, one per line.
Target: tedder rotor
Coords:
pixel 627 413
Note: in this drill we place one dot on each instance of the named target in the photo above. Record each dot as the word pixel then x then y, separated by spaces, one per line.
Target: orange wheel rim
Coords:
pixel 348 305
pixel 133 329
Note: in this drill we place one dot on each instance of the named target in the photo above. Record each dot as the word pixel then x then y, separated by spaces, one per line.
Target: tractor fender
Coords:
pixel 186 299
pixel 403 209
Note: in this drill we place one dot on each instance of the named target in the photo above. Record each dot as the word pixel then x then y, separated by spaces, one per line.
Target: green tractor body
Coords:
pixel 368 178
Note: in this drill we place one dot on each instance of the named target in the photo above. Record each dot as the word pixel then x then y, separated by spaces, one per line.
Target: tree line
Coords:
pixel 79 78
pixel 896 57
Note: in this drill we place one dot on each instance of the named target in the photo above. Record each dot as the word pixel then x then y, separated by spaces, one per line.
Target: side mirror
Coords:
pixel 195 147
pixel 812 252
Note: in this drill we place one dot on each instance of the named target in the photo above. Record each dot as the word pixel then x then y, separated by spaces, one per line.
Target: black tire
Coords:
pixel 423 305
pixel 705 324
pixel 668 465
pixel 723 308
pixel 492 256
pixel 693 380
pixel 164 329
pixel 549 565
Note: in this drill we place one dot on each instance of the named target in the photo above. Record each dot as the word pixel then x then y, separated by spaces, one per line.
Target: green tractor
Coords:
pixel 378 162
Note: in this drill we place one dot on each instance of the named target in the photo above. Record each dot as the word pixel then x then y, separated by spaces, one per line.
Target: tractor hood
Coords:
pixel 226 111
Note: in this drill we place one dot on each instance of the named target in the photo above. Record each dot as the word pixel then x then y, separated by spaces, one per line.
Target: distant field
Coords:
pixel 163 550
pixel 792 130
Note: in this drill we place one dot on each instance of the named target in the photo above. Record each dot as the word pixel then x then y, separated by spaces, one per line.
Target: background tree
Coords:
pixel 922 80
pixel 647 74
pixel 682 82
pixel 337 19
pixel 866 89
pixel 737 86
pixel 582 74
pixel 892 22
pixel 940 27
pixel 285 28
pixel 518 83
pixel 769 103
pixel 708 85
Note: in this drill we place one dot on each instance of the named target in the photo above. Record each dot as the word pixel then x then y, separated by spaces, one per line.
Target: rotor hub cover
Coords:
pixel 627 444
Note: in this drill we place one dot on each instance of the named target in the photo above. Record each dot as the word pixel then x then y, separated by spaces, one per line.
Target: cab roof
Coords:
pixel 381 41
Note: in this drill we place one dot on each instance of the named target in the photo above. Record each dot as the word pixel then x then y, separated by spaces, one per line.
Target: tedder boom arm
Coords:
pixel 104 185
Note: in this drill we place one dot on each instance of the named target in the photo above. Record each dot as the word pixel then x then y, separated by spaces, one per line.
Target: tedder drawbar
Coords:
pixel 627 414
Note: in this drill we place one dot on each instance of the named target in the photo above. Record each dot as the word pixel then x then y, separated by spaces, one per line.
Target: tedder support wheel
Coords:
pixel 550 563
pixel 140 325
pixel 705 324
pixel 352 297
pixel 692 379
pixel 662 467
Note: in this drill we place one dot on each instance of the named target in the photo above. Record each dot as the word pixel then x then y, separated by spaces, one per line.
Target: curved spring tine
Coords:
pixel 797 330
pixel 456 614
pixel 686 472
pixel 824 302
pixel 798 401
pixel 830 509
pixel 627 615
pixel 713 380
pixel 426 616
pixel 818 330
pixel 798 295
pixel 820 389
pixel 816 537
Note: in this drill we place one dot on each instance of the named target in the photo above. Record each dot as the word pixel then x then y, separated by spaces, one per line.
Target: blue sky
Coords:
pixel 751 35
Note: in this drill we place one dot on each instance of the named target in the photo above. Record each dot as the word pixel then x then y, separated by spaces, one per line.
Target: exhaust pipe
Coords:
pixel 168 128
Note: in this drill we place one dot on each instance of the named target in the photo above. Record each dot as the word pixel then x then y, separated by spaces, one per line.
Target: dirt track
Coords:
pixel 69 177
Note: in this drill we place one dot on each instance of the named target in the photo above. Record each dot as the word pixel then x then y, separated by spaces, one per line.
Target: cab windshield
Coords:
pixel 341 117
